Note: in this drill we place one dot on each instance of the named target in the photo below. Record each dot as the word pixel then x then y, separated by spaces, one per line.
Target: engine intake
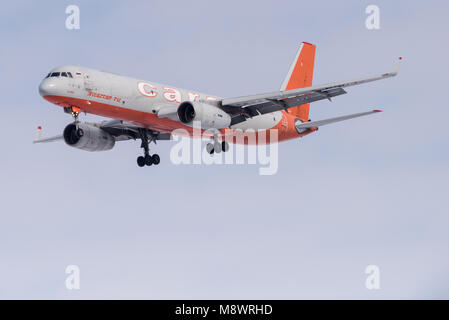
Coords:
pixel 186 112
pixel 209 115
pixel 88 137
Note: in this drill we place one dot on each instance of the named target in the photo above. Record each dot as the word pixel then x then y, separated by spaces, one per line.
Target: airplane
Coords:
pixel 150 111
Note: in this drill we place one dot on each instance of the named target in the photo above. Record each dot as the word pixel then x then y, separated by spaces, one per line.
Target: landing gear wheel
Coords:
pixel 156 159
pixel 224 146
pixel 147 137
pixel 148 160
pixel 217 147
pixel 210 148
pixel 140 161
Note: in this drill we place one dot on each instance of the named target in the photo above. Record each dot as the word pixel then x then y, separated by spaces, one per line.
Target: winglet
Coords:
pixel 38 134
pixel 398 64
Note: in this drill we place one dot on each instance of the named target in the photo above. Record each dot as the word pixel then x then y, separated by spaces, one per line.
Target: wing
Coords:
pixel 50 139
pixel 120 130
pixel 247 107
pixel 123 130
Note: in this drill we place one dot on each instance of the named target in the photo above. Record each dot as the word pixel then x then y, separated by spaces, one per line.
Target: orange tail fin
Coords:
pixel 300 75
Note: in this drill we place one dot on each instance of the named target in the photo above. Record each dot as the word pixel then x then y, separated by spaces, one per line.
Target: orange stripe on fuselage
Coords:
pixel 286 127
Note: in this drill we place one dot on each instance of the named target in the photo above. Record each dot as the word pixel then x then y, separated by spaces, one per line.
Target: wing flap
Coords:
pixel 123 130
pixel 313 96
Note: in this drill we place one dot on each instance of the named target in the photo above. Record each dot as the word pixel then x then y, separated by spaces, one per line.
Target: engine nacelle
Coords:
pixel 88 137
pixel 209 115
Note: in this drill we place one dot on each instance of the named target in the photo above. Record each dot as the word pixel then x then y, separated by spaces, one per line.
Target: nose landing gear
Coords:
pixel 74 111
pixel 147 159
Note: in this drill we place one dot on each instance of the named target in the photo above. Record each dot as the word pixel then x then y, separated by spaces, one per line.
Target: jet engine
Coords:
pixel 88 137
pixel 209 115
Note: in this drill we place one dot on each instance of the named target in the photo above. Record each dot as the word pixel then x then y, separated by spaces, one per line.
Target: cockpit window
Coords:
pixel 59 74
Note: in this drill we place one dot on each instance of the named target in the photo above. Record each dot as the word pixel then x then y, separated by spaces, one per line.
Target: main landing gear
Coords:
pixel 217 147
pixel 147 159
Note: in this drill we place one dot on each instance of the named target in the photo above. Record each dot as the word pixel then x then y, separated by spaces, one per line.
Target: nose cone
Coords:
pixel 48 87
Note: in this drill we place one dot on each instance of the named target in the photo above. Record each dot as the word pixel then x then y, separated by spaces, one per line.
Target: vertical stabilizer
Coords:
pixel 300 75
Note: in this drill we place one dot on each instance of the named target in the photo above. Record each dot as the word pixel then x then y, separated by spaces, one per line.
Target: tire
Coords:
pixel 224 146
pixel 140 161
pixel 210 148
pixel 217 147
pixel 156 159
pixel 148 160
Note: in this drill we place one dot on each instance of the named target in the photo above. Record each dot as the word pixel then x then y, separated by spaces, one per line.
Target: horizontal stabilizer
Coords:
pixel 300 126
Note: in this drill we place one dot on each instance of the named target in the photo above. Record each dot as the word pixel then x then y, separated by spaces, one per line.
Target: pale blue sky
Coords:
pixel 367 191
